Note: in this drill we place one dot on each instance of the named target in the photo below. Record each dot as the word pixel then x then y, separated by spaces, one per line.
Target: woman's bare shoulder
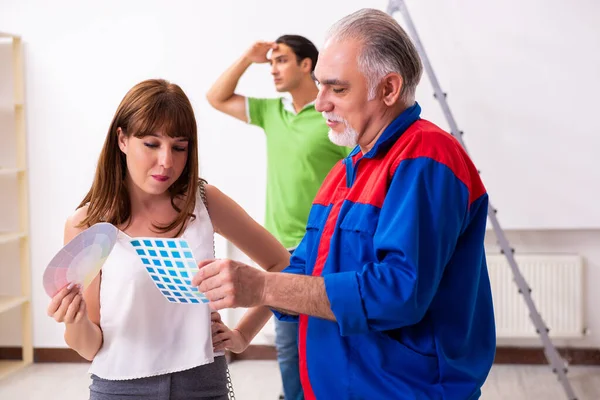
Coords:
pixel 72 227
pixel 212 192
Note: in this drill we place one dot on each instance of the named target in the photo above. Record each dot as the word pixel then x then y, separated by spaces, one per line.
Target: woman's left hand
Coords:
pixel 224 338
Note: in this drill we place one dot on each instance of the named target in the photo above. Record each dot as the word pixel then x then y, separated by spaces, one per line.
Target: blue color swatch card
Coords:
pixel 171 266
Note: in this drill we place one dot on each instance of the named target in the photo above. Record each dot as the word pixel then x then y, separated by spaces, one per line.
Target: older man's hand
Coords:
pixel 228 284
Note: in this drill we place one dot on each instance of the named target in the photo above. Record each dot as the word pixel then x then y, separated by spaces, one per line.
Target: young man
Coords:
pixel 390 282
pixel 299 155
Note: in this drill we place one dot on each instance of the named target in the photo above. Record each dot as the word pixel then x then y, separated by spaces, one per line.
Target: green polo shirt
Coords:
pixel 299 157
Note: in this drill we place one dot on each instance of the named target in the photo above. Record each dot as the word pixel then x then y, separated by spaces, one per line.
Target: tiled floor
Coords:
pixel 259 380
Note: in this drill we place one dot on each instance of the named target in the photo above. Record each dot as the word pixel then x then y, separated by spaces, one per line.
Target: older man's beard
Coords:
pixel 348 138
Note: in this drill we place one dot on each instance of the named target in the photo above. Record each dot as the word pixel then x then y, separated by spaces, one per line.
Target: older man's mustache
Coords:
pixel 333 117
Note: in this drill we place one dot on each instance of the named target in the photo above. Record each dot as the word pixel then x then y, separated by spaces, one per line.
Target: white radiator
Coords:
pixel 556 283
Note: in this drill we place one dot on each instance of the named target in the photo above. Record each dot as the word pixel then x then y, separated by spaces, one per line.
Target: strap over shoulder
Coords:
pixel 202 190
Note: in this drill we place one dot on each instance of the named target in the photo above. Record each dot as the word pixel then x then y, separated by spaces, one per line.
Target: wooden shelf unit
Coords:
pixel 20 236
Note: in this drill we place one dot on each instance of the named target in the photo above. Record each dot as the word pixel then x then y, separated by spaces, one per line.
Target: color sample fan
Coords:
pixel 80 260
pixel 171 266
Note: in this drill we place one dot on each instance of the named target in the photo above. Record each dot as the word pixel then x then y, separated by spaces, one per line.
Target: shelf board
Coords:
pixel 11 171
pixel 7 367
pixel 8 35
pixel 10 302
pixel 8 237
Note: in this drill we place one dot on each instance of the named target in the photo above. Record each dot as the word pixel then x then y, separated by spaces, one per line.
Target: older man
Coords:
pixel 389 283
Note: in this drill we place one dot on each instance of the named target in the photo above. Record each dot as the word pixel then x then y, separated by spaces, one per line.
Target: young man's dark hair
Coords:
pixel 301 46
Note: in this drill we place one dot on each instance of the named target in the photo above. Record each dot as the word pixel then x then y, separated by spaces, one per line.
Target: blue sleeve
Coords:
pixel 418 227
pixel 297 266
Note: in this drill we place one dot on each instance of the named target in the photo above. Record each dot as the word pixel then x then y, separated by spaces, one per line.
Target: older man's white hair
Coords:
pixel 385 48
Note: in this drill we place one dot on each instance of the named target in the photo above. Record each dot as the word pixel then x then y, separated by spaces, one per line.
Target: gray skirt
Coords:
pixel 207 382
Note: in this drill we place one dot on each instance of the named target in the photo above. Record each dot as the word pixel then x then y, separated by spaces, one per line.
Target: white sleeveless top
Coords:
pixel 144 333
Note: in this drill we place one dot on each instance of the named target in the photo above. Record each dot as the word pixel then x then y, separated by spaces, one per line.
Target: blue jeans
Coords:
pixel 286 343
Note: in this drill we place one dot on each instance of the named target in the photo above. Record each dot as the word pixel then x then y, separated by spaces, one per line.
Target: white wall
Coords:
pixel 514 73
pixel 522 79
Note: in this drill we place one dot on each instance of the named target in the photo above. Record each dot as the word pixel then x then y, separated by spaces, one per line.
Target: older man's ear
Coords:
pixel 391 87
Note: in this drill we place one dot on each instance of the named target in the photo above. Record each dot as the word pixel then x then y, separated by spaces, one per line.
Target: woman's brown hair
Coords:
pixel 148 107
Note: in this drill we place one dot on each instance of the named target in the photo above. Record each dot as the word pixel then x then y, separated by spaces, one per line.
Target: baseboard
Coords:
pixel 256 352
pixel 504 355
pixel 43 355
pixel 54 355
pixel 535 355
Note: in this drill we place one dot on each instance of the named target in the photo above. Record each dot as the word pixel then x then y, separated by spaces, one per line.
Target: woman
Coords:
pixel 147 184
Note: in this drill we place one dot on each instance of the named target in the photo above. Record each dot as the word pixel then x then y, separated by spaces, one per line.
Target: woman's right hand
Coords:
pixel 68 306
pixel 225 338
